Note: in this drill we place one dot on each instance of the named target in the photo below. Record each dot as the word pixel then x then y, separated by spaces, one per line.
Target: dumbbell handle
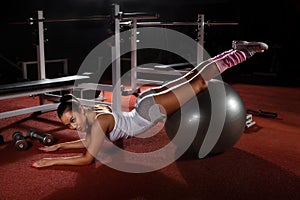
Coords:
pixel 35 135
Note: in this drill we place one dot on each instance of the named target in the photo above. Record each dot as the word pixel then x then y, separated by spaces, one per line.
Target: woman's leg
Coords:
pixel 172 98
pixel 249 48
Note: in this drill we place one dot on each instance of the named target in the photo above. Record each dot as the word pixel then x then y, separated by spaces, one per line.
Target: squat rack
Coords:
pixel 118 18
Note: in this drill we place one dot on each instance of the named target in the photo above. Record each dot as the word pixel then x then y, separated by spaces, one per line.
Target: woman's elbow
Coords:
pixel 88 159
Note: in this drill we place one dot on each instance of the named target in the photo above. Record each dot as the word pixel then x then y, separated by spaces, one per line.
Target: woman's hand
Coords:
pixel 50 148
pixel 45 162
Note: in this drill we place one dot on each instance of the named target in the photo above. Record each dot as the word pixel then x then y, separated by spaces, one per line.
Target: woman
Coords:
pixel 151 106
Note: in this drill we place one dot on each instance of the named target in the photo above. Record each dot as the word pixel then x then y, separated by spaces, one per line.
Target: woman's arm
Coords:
pixel 77 144
pixel 72 160
pixel 97 135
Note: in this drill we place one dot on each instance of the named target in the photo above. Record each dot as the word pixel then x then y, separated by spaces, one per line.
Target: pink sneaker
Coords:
pixel 250 47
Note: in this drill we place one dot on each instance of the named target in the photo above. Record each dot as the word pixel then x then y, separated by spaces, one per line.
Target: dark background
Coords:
pixel 274 22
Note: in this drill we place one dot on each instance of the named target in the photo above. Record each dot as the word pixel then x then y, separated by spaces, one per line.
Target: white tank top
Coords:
pixel 127 124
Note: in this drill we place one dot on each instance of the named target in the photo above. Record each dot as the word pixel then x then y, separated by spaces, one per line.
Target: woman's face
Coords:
pixel 74 120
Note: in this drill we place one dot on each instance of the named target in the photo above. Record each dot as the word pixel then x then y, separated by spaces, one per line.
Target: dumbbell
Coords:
pixel 46 138
pixel 19 141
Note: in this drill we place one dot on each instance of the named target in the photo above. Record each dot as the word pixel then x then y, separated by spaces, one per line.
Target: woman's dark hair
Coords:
pixel 68 102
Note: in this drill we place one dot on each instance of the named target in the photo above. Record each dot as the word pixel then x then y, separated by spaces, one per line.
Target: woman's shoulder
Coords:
pixel 106 120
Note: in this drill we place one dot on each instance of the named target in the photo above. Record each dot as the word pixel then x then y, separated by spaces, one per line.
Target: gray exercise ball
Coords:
pixel 219 120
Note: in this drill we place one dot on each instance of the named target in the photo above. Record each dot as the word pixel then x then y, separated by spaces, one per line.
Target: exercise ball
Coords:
pixel 218 115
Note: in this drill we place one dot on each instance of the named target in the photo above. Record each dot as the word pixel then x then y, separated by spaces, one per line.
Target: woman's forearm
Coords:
pixel 73 160
pixel 77 144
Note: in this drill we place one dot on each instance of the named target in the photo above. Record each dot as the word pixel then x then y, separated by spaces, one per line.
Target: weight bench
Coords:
pixel 38 87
